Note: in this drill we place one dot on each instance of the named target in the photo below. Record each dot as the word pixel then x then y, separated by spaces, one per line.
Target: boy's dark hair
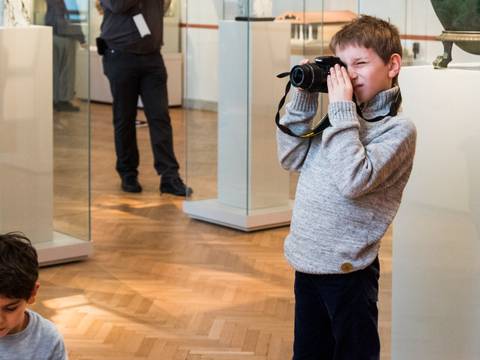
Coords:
pixel 18 266
pixel 372 33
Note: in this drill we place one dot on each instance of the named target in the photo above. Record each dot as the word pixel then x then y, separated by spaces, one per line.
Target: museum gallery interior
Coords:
pixel 155 276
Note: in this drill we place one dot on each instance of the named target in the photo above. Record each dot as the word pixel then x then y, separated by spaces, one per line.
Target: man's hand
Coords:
pixel 339 85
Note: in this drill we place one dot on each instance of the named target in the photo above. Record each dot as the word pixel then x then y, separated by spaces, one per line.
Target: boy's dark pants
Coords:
pixel 336 316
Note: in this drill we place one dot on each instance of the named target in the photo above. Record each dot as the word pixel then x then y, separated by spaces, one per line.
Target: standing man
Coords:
pixel 130 42
pixel 65 37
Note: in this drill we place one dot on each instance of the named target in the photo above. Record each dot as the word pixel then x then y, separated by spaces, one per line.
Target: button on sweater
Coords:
pixel 351 181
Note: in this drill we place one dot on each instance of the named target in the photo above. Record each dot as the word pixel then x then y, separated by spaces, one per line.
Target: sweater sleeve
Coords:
pixel 358 169
pixel 298 116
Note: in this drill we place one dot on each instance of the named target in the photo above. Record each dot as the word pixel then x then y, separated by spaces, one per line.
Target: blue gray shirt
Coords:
pixel 351 181
pixel 40 340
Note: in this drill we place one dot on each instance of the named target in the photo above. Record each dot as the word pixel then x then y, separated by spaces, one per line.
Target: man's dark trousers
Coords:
pixel 131 75
pixel 336 316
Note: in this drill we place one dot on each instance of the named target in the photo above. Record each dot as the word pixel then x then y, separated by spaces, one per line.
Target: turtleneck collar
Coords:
pixel 380 104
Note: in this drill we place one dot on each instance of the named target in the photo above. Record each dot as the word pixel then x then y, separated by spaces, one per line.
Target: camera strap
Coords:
pixel 323 124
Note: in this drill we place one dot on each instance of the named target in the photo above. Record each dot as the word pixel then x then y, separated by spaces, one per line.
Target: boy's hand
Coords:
pixel 339 85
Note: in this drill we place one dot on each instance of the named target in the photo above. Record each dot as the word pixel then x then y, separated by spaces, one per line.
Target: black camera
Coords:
pixel 312 76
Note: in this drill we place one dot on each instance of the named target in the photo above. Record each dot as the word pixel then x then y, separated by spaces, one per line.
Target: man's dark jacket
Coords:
pixel 120 32
pixel 57 17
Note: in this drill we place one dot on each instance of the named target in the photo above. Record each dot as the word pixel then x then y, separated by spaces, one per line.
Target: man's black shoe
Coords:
pixel 130 184
pixel 175 186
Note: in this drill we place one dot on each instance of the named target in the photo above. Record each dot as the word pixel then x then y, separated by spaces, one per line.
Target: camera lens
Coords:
pixel 297 76
pixel 301 76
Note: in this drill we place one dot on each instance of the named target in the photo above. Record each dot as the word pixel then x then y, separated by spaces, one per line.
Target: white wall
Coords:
pixel 201 65
pixel 200 47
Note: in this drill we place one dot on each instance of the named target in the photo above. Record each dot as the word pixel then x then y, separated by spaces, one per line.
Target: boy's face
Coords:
pixel 367 71
pixel 12 313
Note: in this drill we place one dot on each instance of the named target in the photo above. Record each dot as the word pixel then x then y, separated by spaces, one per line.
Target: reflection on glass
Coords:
pixel 232 91
pixel 67 31
pixel 171 28
pixel 69 22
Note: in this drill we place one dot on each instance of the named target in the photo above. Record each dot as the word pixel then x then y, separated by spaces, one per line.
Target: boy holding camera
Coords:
pixel 24 334
pixel 351 182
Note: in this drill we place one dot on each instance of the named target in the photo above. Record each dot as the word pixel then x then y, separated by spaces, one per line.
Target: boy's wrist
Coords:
pixel 304 101
pixel 340 111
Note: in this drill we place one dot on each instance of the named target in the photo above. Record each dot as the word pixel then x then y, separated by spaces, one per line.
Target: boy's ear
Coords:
pixel 31 299
pixel 394 65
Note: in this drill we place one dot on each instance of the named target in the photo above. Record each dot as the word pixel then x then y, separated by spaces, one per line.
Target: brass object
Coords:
pixel 468 41
pixel 461 21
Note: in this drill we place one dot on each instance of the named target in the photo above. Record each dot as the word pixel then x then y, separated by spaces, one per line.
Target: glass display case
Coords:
pixel 231 91
pixel 45 128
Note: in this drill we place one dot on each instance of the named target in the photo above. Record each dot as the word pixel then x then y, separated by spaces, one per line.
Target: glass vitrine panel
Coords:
pixel 44 121
pixel 233 52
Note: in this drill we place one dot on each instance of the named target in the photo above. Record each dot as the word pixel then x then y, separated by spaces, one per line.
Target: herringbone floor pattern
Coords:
pixel 162 286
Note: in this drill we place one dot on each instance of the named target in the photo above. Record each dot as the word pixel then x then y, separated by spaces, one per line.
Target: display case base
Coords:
pixel 61 249
pixel 217 213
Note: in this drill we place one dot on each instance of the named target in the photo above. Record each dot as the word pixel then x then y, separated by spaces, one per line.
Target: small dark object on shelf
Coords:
pixel 253 18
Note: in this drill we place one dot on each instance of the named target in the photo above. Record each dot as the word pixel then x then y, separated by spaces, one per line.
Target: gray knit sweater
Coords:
pixel 351 181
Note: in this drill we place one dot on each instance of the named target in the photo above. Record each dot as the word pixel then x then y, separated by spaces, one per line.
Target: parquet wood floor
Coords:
pixel 165 287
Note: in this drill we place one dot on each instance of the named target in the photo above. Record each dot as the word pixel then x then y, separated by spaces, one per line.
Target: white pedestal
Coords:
pixel 250 179
pixel 26 138
pixel 26 180
pixel 436 235
pixel 100 88
pixel 215 212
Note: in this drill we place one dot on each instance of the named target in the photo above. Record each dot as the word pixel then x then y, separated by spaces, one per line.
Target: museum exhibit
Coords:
pixel 151 275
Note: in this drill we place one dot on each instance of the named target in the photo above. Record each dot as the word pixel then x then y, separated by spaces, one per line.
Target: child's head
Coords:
pixel 372 51
pixel 18 281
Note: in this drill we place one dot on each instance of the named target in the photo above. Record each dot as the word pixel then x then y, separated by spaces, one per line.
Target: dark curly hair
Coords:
pixel 18 266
